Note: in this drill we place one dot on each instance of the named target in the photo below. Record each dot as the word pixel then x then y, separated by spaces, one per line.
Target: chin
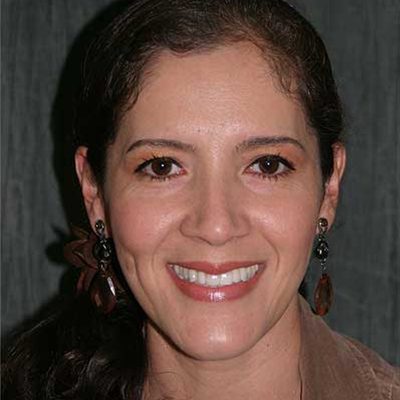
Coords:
pixel 216 352
pixel 217 342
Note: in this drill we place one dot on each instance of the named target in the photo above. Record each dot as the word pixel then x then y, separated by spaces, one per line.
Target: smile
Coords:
pixel 203 281
pixel 237 275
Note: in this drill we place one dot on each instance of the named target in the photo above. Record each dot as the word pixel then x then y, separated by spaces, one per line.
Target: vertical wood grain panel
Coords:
pixel 363 40
pixel 36 38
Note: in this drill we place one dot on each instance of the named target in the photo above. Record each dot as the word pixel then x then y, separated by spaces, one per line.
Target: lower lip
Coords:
pixel 218 294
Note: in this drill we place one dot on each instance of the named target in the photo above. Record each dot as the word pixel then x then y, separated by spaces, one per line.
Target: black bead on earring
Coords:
pixel 323 294
pixel 103 290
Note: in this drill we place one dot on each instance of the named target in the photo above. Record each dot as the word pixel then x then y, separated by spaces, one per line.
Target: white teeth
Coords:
pixel 177 269
pixel 192 275
pixel 201 278
pixel 211 280
pixel 243 274
pixel 186 273
pixel 226 279
pixel 236 275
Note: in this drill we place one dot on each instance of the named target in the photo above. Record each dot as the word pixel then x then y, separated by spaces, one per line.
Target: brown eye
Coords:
pixel 269 165
pixel 161 166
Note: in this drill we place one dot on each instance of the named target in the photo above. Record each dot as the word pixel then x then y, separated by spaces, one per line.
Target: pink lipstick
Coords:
pixel 205 281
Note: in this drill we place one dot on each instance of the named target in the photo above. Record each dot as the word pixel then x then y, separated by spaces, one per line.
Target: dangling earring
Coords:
pixel 323 295
pixel 93 253
pixel 102 290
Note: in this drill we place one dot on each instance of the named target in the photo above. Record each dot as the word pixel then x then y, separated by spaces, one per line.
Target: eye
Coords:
pixel 160 168
pixel 271 166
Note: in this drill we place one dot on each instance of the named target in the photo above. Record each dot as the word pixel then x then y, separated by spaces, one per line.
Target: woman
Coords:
pixel 209 155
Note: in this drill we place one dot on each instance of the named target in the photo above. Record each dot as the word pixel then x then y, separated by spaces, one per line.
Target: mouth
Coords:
pixel 212 282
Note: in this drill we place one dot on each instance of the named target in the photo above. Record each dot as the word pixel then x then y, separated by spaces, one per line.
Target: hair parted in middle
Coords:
pixel 124 50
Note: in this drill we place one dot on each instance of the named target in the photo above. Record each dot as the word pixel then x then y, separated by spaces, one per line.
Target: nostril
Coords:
pixel 214 224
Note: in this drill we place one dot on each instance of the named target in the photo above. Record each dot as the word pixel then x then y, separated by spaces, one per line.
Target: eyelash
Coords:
pixel 283 163
pixel 141 168
pixel 289 167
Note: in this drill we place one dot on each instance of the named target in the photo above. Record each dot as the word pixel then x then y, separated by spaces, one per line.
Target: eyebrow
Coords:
pixel 174 144
pixel 247 144
pixel 258 141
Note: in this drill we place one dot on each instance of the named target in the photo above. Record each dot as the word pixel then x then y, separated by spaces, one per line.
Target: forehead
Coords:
pixel 221 92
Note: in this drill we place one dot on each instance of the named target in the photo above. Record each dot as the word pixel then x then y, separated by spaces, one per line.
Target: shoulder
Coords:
pixel 386 376
pixel 334 366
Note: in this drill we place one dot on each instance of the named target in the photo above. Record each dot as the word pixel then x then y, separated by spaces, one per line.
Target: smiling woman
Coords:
pixel 209 157
pixel 223 205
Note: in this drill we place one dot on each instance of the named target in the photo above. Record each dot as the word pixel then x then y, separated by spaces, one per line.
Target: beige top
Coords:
pixel 335 367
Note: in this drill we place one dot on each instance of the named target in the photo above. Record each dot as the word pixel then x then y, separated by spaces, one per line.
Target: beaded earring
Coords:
pixel 93 253
pixel 103 291
pixel 323 294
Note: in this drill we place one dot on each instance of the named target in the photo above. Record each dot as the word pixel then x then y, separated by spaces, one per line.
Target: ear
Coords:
pixel 91 192
pixel 332 186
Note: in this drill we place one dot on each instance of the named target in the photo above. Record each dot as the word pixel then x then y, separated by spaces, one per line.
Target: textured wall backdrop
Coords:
pixel 363 39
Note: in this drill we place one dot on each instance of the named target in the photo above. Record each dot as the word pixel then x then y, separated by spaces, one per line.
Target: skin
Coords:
pixel 217 207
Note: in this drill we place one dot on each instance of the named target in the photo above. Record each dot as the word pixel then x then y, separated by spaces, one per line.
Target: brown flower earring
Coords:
pixel 92 252
pixel 323 294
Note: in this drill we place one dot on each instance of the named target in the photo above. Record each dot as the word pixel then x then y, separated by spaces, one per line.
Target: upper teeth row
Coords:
pixel 227 278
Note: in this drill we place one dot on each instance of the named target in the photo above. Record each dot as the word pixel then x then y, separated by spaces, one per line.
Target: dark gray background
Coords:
pixel 363 39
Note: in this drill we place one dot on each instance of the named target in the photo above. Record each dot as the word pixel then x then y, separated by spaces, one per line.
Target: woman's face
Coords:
pixel 213 168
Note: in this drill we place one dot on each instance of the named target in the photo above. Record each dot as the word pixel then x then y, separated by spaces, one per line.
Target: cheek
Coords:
pixel 140 230
pixel 143 229
pixel 288 222
pixel 295 220
pixel 140 225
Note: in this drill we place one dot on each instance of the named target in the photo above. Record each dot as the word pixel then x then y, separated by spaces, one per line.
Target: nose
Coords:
pixel 217 214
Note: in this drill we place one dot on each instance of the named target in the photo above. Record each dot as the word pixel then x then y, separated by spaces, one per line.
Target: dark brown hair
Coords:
pixel 116 62
pixel 78 353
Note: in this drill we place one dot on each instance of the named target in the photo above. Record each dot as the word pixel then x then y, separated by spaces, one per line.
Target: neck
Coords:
pixel 269 370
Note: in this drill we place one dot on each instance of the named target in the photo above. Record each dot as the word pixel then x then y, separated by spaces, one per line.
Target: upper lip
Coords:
pixel 219 268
